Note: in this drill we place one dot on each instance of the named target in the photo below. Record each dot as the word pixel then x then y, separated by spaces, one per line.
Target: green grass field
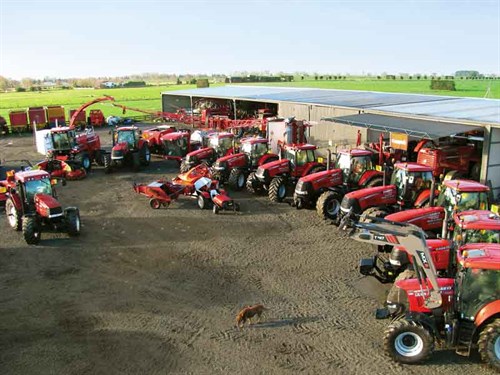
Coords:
pixel 150 97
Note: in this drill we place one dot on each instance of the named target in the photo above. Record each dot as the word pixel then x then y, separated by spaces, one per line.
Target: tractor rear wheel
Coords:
pixel 14 215
pixel 408 342
pixel 236 179
pixel 316 169
pixel 489 344
pixel 31 230
pixel 277 189
pixel 328 205
pixel 73 223
pixel 253 184
pixel 106 159
pixel 145 155
pixel 215 209
pixel 154 203
pixel 202 202
pixel 375 182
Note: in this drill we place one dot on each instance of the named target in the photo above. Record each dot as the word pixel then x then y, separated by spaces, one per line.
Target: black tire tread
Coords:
pixel 323 199
pixel 404 325
pixel 485 344
pixel 30 229
pixel 274 189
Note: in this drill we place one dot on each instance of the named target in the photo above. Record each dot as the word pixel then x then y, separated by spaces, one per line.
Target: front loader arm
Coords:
pixel 384 232
pixel 77 112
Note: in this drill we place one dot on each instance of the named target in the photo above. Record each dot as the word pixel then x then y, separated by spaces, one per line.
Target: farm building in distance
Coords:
pixel 339 114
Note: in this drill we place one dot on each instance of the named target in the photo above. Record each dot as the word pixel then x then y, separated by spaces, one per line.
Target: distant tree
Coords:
pixel 425 76
pixel 320 77
pixel 20 89
pixel 27 83
pixel 467 73
pixel 316 78
pixel 180 83
pixel 302 78
pixel 4 83
pixel 379 77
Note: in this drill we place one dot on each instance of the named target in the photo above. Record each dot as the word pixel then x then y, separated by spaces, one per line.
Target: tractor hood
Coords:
pixel 370 192
pixel 229 158
pixel 123 146
pixel 426 218
pixel 47 206
pixel 277 164
pixel 201 153
pixel 119 150
pixel 334 174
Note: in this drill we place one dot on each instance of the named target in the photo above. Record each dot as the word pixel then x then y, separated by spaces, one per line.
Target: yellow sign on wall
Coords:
pixel 399 141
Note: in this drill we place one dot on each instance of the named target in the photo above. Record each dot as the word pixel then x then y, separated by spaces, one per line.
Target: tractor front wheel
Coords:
pixel 277 189
pixel 73 223
pixel 372 212
pixel 328 205
pixel 84 160
pixel 489 344
pixel 202 202
pixel 106 160
pixel 216 209
pixel 253 184
pixel 408 342
pixel 31 230
pixel 236 179
pixel 14 215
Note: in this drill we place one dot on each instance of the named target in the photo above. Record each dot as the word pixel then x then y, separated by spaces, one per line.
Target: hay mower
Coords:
pixel 460 312
pixel 207 191
pixel 32 206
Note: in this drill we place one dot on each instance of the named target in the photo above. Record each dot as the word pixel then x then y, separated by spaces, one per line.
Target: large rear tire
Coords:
pixel 408 342
pixel 31 230
pixel 372 212
pixel 14 215
pixel 106 159
pixel 375 182
pixel 145 155
pixel 328 205
pixel 277 189
pixel 73 223
pixel 236 180
pixel 489 344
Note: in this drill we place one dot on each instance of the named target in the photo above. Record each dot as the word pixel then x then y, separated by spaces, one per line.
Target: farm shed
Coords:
pixel 339 114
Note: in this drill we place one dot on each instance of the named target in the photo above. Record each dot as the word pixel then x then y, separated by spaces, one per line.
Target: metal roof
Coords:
pixel 413 127
pixel 446 107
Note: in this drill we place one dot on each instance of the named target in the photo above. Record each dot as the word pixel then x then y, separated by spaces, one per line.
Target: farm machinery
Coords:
pixel 197 182
pixel 219 145
pixel 412 186
pixel 354 169
pixel 64 144
pixel 32 206
pixel 153 137
pixel 234 168
pixel 129 149
pixel 461 311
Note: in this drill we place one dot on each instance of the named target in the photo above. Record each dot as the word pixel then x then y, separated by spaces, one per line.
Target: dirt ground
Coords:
pixel 145 291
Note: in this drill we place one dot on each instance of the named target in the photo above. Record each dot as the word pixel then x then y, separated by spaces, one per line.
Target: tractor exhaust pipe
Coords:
pixel 444 231
pixel 328 161
pixel 431 197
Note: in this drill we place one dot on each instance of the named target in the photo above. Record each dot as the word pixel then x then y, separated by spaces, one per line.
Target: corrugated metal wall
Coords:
pixel 171 103
pixel 493 173
pixel 324 134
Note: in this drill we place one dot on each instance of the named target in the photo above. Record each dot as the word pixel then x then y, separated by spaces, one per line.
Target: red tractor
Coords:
pixel 32 206
pixel 177 145
pixel 455 196
pixel 153 137
pixel 219 145
pixel 461 312
pixel 412 186
pixel 276 176
pixel 129 148
pixel 354 169
pixel 235 168
pixel 474 226
pixel 96 118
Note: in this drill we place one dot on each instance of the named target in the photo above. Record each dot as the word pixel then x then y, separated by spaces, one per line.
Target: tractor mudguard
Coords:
pixel 311 166
pixel 17 200
pixel 487 312
pixel 423 197
pixel 368 176
pixel 266 158
pixel 69 209
pixel 424 319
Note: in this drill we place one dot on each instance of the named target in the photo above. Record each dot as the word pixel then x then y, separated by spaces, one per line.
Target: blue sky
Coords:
pixel 111 38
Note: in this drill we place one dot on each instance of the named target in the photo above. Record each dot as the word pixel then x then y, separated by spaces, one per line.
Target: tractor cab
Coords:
pixel 461 195
pixel 176 145
pixel 63 139
pixel 222 143
pixel 410 180
pixel 129 135
pixel 34 189
pixel 476 226
pixel 300 157
pixel 477 280
pixel 354 163
pixel 254 148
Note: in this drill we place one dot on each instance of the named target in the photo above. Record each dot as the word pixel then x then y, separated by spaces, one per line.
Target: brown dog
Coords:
pixel 248 313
